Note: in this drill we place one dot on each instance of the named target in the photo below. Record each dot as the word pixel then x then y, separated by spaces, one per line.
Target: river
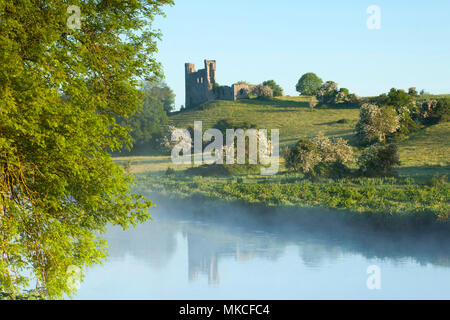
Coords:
pixel 198 251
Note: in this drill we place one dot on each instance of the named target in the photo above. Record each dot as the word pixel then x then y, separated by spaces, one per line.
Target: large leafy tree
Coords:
pixel 61 90
pixel 148 125
pixel 161 92
pixel 308 84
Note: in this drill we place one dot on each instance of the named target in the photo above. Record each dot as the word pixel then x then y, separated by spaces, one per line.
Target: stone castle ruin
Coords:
pixel 201 86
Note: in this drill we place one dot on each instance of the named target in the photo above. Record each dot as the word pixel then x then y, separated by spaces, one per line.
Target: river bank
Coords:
pixel 382 202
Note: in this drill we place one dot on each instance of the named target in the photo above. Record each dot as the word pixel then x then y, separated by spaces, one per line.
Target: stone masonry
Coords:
pixel 201 86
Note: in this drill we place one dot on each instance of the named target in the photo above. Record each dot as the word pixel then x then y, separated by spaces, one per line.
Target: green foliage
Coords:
pixel 399 98
pixel 344 91
pixel 277 90
pixel 147 125
pixel 61 92
pixel 407 124
pixel 308 84
pixel 162 93
pixel 396 97
pixel 443 110
pixel 379 161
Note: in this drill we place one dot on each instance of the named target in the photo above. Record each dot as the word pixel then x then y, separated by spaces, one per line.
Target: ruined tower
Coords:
pixel 201 86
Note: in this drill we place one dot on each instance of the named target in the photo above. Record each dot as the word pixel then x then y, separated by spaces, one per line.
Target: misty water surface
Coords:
pixel 200 251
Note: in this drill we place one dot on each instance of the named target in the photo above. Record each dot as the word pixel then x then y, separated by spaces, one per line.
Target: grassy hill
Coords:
pixel 423 154
pixel 426 152
pixel 291 115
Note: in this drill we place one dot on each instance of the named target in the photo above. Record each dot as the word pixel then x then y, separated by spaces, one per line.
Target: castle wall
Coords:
pixel 240 91
pixel 225 93
pixel 200 86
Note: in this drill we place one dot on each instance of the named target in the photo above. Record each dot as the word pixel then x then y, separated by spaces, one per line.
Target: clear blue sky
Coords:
pixel 257 40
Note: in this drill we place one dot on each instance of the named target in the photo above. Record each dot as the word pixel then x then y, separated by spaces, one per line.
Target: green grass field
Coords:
pixel 291 115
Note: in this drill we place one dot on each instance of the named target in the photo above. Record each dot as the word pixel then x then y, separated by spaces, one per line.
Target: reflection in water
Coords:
pixel 202 257
pixel 257 244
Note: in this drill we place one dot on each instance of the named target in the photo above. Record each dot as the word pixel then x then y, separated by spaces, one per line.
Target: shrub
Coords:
pixel 379 161
pixel 320 157
pixel 376 123
pixel 302 157
pixel 353 98
pixel 336 150
pixel 404 105
pixel 434 111
pixel 327 92
pixel 277 90
pixel 266 93
pixel 262 92
pixel 341 96
pixel 407 124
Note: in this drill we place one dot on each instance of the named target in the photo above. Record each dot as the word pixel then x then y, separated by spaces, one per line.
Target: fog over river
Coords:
pixel 196 250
